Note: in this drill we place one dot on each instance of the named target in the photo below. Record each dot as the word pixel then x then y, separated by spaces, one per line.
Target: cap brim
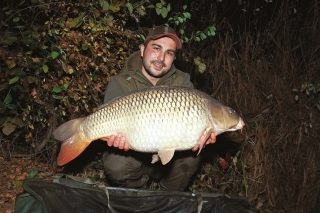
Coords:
pixel 170 35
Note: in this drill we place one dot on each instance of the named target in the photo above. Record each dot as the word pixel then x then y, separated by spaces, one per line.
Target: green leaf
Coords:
pixel 12 106
pixel 104 4
pixel 187 15
pixel 54 54
pixel 114 7
pixel 130 7
pixel 108 19
pixel 57 89
pixel 203 36
pixel 8 12
pixel 10 63
pixel 32 174
pixel 56 96
pixel 8 40
pixel 212 31
pixel 85 47
pixel 180 19
pixel 14 80
pixel 184 7
pixel 62 22
pixel 141 12
pixel 168 7
pixel 21 3
pixel 8 99
pixel 65 86
pixel 94 77
pixel 158 10
pixel 76 22
pixel 164 12
pixel 159 5
pixel 16 19
pixel 197 60
pixel 45 68
pixel 19 87
pixel 202 67
pixel 19 122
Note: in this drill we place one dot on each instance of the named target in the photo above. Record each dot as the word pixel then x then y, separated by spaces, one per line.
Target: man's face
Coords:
pixel 157 57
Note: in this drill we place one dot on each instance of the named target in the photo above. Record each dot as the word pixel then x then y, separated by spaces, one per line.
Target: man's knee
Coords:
pixel 121 168
pixel 181 171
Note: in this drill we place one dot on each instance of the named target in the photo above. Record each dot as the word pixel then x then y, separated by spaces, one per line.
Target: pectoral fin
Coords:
pixel 155 158
pixel 166 155
pixel 205 135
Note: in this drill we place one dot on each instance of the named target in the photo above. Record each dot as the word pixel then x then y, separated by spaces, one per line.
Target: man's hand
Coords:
pixel 118 141
pixel 205 140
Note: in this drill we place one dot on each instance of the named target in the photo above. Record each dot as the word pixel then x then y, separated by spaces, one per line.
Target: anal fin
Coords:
pixel 166 155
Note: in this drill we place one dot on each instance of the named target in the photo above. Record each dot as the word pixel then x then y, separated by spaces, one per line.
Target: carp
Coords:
pixel 158 120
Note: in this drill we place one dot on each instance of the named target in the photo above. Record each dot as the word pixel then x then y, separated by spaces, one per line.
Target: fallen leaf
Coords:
pixel 10 63
pixel 8 128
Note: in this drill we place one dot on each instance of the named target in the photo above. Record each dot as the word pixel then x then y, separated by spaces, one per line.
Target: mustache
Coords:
pixel 158 62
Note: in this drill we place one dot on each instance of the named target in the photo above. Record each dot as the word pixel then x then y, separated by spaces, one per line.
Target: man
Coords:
pixel 151 66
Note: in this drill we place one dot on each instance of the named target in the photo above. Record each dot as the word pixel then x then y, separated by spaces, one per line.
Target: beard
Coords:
pixel 153 73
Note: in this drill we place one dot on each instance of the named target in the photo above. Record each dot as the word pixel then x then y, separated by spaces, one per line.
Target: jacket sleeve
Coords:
pixel 113 90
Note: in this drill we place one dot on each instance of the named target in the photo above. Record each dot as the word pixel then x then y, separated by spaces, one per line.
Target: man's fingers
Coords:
pixel 111 140
pixel 126 147
pixel 211 139
pixel 117 140
pixel 121 142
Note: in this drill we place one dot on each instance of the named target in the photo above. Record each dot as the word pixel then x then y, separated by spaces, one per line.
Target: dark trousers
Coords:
pixel 132 169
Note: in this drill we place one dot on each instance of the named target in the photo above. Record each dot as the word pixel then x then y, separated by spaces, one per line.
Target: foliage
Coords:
pixel 56 59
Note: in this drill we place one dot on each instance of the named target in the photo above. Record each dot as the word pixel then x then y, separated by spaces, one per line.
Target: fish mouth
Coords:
pixel 240 124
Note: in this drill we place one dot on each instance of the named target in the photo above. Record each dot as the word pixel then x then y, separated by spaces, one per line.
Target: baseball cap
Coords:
pixel 163 31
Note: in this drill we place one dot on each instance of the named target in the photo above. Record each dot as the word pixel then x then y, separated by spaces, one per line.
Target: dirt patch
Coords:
pixel 13 173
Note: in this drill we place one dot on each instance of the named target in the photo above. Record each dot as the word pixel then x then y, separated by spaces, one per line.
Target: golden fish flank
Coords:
pixel 157 120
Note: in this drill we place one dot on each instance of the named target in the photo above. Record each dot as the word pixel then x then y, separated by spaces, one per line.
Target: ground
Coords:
pixel 13 173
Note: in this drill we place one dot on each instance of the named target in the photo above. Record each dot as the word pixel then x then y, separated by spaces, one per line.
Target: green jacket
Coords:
pixel 131 79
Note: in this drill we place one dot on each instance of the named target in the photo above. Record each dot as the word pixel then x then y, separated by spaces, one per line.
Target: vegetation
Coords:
pixel 260 57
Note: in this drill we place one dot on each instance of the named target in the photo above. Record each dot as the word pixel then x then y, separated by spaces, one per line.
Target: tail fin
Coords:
pixel 73 144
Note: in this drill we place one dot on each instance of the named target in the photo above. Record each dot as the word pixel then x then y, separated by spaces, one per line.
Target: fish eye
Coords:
pixel 232 111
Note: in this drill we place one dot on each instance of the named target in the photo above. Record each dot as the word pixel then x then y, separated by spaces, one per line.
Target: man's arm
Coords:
pixel 186 81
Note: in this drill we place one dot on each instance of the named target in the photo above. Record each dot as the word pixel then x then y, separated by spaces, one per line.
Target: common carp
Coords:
pixel 157 120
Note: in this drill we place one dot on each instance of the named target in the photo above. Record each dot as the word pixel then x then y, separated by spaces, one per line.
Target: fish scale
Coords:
pixel 157 120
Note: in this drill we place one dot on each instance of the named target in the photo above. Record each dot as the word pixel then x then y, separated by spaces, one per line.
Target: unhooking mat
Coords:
pixel 67 195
